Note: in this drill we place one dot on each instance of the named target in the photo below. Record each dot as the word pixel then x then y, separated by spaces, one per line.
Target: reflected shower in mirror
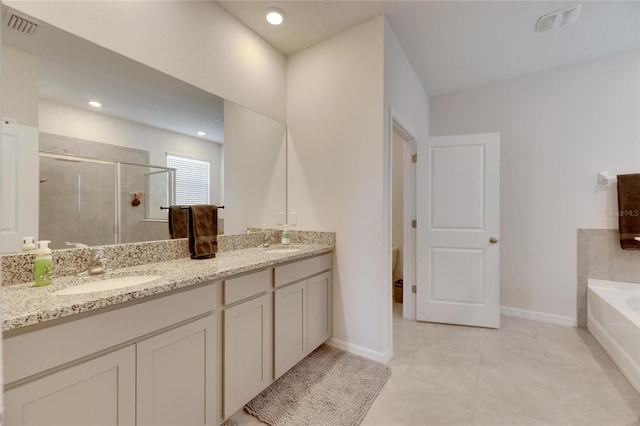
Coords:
pixel 90 201
pixel 77 200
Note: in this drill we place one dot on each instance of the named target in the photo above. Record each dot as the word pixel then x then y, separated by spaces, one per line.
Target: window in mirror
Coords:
pixel 192 179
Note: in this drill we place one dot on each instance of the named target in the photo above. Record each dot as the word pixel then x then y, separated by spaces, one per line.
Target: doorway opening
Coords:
pixel 403 208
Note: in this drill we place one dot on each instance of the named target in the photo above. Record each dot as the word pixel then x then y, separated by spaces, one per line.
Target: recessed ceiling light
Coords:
pixel 95 104
pixel 201 133
pixel 274 16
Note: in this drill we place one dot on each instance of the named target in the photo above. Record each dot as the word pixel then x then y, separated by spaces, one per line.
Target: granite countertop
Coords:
pixel 25 304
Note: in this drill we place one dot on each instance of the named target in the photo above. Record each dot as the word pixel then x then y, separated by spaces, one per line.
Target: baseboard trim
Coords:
pixel 383 357
pixel 538 316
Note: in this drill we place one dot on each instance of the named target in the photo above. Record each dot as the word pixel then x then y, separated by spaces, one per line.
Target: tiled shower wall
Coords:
pixel 92 221
pixel 600 256
pixel 77 202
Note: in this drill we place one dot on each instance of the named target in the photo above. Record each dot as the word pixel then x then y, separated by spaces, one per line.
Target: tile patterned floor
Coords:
pixel 525 373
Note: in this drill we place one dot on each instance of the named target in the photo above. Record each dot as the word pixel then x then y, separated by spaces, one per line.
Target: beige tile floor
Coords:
pixel 525 373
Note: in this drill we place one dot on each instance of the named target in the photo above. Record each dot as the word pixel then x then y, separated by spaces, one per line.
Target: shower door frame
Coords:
pixel 171 184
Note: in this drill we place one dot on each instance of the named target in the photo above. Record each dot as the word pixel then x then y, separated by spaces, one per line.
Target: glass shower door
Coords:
pixel 77 200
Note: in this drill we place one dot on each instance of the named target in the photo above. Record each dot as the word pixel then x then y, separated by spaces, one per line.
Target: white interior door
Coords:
pixel 20 176
pixel 458 214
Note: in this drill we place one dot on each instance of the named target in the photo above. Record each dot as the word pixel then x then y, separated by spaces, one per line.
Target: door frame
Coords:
pixel 399 125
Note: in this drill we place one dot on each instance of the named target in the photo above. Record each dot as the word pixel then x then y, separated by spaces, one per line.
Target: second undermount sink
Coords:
pixel 108 284
pixel 283 250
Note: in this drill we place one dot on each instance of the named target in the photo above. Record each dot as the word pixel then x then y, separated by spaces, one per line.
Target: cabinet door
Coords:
pixel 97 392
pixel 319 310
pixel 290 327
pixel 175 376
pixel 247 352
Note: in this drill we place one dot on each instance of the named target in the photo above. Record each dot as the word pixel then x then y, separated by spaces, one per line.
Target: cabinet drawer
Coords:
pixel 246 286
pixel 305 268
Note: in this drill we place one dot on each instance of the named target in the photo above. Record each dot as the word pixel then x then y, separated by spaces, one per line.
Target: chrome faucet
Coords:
pixel 267 239
pixel 97 264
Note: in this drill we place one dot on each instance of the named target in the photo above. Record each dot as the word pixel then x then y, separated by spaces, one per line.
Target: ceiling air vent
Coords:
pixel 557 19
pixel 18 23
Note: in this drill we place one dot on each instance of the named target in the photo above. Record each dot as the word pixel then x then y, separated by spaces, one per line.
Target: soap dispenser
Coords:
pixel 285 235
pixel 28 244
pixel 44 264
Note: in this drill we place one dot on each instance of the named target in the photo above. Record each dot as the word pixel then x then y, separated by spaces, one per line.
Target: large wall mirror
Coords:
pixel 99 174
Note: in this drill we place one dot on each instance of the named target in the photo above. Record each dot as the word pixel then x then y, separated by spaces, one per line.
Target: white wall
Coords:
pixel 78 123
pixel 339 97
pixel 195 41
pixel 407 100
pixel 19 86
pixel 255 169
pixel 335 174
pixel 558 129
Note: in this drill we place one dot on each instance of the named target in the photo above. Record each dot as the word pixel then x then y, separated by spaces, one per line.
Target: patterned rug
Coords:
pixel 328 387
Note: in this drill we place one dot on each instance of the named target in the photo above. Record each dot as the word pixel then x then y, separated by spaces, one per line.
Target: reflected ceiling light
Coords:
pixel 201 133
pixel 95 104
pixel 274 16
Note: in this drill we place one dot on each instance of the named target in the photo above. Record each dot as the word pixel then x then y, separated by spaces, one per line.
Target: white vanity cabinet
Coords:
pixel 193 356
pixel 302 318
pixel 151 363
pixel 248 346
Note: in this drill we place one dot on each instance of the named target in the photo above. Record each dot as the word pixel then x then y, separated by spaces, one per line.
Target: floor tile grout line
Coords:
pixel 564 411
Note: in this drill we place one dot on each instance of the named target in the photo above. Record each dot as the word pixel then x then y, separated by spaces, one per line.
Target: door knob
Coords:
pixel 493 240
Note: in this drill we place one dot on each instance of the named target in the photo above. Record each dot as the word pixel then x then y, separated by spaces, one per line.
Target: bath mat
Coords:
pixel 328 387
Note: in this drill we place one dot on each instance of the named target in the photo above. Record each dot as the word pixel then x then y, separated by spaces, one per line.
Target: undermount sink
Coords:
pixel 283 250
pixel 108 284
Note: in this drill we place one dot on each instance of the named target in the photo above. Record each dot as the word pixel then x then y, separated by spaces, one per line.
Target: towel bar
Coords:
pixel 184 207
pixel 605 179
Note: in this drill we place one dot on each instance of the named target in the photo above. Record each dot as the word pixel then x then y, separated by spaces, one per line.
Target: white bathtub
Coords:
pixel 614 320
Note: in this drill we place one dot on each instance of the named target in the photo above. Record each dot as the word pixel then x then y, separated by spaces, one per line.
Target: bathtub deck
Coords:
pixel 614 320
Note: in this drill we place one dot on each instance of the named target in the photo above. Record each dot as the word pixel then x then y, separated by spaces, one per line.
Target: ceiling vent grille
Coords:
pixel 557 19
pixel 18 23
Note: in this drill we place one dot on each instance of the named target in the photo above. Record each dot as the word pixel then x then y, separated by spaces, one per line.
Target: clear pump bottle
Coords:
pixel 285 235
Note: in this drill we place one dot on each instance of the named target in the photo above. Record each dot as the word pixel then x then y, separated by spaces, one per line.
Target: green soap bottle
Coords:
pixel 44 264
